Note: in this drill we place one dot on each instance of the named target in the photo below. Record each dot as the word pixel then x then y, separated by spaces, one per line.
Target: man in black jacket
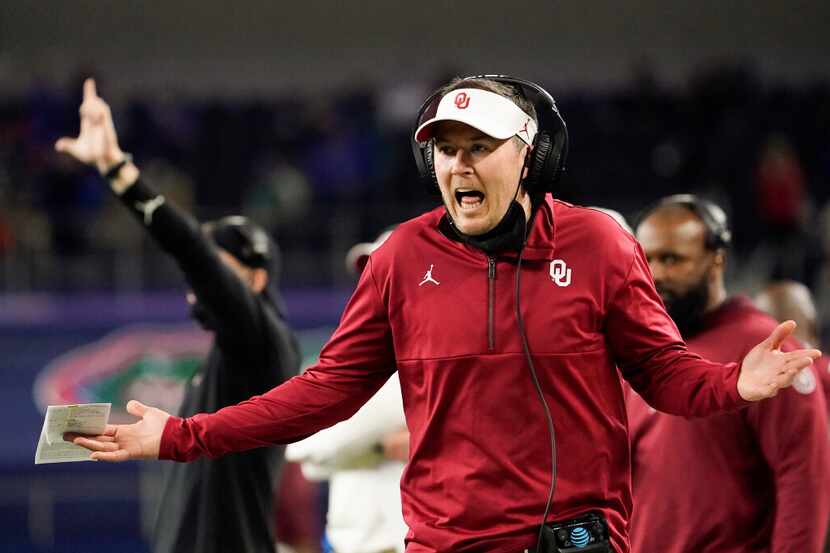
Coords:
pixel 231 266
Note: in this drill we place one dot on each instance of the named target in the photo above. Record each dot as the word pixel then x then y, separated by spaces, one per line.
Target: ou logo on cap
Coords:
pixel 462 100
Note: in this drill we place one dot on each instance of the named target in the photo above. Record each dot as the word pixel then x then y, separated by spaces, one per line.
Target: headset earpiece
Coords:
pixel 538 164
pixel 429 168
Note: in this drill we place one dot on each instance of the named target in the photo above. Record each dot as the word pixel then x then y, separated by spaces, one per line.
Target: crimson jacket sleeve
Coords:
pixel 353 365
pixel 652 356
pixel 791 432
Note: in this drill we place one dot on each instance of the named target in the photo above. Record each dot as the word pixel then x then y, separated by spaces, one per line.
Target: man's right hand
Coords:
pixel 125 442
pixel 97 143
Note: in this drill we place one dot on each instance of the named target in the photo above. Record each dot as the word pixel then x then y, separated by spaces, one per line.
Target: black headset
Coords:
pixel 550 146
pixel 718 234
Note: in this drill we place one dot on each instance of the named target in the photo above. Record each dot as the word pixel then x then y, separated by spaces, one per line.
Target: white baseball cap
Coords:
pixel 491 113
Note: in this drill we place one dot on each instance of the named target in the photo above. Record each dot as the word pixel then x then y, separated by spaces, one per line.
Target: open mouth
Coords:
pixel 469 199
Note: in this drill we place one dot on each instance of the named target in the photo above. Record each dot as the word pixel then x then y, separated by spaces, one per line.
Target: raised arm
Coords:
pixel 178 233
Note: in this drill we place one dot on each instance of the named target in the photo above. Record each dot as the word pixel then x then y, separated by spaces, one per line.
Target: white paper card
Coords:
pixel 88 418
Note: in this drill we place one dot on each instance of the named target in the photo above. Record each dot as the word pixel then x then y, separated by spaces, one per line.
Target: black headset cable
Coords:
pixel 540 394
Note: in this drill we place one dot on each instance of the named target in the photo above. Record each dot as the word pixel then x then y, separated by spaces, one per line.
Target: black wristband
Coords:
pixel 112 172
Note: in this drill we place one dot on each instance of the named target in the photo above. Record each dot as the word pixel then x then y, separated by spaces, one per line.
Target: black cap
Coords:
pixel 246 241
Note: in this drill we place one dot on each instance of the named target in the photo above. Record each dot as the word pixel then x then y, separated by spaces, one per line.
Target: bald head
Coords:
pixel 675 226
pixel 788 299
pixel 687 273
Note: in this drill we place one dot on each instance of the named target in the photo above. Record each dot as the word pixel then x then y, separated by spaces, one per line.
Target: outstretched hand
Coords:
pixel 766 369
pixel 97 143
pixel 125 442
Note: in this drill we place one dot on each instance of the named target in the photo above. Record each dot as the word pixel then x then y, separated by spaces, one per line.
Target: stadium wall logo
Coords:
pixel 150 363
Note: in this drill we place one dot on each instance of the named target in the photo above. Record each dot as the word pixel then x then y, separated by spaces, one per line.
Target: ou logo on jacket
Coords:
pixel 560 273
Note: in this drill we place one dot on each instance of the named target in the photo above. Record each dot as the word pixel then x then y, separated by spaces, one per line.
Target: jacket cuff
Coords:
pixel 138 192
pixel 173 433
pixel 734 399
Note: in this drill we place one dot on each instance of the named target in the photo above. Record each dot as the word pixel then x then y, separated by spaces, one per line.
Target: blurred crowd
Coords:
pixel 325 171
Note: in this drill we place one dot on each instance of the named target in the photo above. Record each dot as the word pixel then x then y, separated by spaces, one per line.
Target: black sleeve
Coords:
pixel 220 290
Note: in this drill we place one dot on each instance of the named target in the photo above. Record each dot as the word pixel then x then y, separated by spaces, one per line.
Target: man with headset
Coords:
pixel 232 267
pixel 757 479
pixel 787 299
pixel 506 314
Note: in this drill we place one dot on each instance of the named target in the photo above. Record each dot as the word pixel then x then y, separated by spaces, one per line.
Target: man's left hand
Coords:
pixel 766 369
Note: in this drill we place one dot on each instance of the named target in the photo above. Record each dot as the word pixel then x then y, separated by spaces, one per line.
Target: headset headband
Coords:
pixel 714 218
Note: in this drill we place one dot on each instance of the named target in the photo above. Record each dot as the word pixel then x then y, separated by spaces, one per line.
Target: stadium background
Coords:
pixel 298 115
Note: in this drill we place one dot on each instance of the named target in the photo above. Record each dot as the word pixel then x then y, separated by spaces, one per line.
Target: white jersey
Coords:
pixel 364 513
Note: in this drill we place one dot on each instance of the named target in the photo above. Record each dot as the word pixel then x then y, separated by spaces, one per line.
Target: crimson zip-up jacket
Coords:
pixel 442 312
pixel 753 481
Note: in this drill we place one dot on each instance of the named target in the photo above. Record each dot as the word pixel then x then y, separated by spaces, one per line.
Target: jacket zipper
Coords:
pixel 491 293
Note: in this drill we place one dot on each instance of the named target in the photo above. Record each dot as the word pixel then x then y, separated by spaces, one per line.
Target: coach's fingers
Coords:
pixel 71 436
pixel 809 354
pixel 95 444
pixel 109 126
pixel 90 90
pixel 65 144
pixel 779 334
pixel 111 457
pixel 136 408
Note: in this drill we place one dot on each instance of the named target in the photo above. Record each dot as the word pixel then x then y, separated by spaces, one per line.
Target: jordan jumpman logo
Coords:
pixel 428 278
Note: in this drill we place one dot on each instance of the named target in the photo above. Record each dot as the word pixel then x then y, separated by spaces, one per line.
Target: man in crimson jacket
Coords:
pixel 757 479
pixel 485 361
pixel 787 299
